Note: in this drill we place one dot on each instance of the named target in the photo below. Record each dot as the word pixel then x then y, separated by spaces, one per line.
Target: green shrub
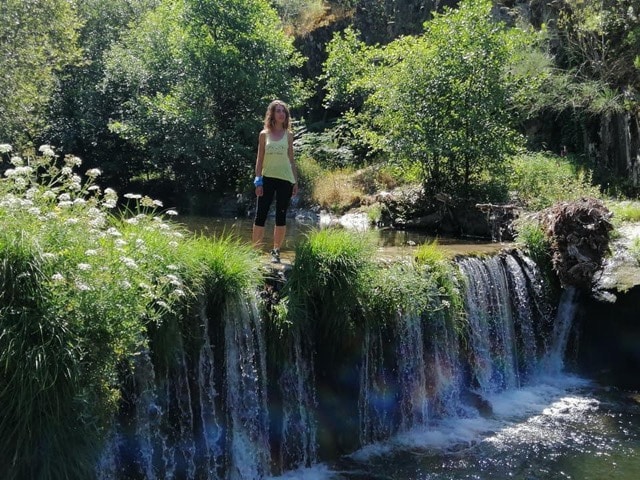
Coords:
pixel 538 180
pixel 84 288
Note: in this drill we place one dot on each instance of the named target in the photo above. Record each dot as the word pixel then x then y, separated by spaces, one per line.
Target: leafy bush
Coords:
pixel 538 180
pixel 82 289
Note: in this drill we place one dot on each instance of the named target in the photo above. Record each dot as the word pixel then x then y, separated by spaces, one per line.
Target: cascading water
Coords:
pixel 190 417
pixel 298 446
pixel 246 393
pixel 554 360
pixel 207 415
pixel 491 327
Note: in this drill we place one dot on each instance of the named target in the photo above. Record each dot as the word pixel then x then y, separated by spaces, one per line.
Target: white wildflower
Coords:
pixel 173 267
pixel 66 171
pixel 84 266
pixel 48 255
pixel 125 284
pixel 47 151
pixel 65 204
pixel 129 262
pixel 120 242
pixel 17 161
pixel 93 172
pixel 91 252
pixel 109 204
pixel 10 172
pixel 49 195
pixel 71 221
pixel 97 222
pixel 83 287
pixel 171 212
pixel 114 232
pixel 72 161
pixel 132 196
pixel 64 197
pixel 79 201
pixel 93 188
pixel 57 277
pixel 179 292
pixel 173 244
pixel 132 220
pixel 157 203
pixel 34 211
pixel 5 148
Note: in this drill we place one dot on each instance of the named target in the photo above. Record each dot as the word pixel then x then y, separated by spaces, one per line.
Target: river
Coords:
pixel 563 427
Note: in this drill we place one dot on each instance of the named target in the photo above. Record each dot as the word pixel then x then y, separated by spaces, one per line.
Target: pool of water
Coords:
pixel 391 243
pixel 561 428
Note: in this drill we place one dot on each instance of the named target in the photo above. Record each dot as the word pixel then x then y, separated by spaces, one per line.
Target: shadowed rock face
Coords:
pixel 579 234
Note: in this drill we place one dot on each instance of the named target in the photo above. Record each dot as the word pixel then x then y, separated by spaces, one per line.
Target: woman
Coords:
pixel 276 174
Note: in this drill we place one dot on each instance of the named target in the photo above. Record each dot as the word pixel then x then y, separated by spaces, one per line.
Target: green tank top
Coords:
pixel 276 158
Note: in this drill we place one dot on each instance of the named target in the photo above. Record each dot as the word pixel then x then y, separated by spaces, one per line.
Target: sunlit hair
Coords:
pixel 270 117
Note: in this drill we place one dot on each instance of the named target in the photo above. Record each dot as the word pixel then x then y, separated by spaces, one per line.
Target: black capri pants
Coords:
pixel 282 189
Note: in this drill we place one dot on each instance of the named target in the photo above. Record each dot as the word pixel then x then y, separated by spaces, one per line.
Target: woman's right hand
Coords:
pixel 259 191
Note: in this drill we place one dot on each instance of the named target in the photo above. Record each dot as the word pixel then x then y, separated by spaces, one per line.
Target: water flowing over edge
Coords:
pixel 423 384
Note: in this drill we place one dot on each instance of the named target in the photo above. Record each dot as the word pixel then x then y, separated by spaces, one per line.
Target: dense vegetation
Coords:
pixel 167 95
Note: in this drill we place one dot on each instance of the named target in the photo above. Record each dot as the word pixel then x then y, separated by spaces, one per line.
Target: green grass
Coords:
pixel 331 270
pixel 625 211
pixel 538 180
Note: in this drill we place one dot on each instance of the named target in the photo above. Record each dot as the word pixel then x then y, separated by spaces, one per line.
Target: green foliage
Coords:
pixel 82 291
pixel 38 39
pixel 348 61
pixel 440 99
pixel 331 270
pixel 539 180
pixel 530 234
pixel 192 80
pixel 625 211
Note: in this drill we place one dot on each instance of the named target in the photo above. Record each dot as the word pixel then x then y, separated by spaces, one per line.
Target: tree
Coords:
pixel 38 39
pixel 443 99
pixel 191 80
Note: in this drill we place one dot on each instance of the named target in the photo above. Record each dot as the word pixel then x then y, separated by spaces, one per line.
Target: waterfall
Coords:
pixel 246 393
pixel 554 361
pixel 377 390
pixel 298 446
pixel 188 416
pixel 491 327
pixel 412 374
pixel 205 414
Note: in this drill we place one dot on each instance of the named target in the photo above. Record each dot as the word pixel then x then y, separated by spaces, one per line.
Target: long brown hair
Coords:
pixel 270 116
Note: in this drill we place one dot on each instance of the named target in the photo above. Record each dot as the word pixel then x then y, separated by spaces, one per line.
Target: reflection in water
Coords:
pixel 391 243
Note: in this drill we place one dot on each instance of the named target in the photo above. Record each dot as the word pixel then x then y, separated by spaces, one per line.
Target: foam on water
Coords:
pixel 551 396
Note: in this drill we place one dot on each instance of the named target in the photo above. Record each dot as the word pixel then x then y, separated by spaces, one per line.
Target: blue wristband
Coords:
pixel 257 181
